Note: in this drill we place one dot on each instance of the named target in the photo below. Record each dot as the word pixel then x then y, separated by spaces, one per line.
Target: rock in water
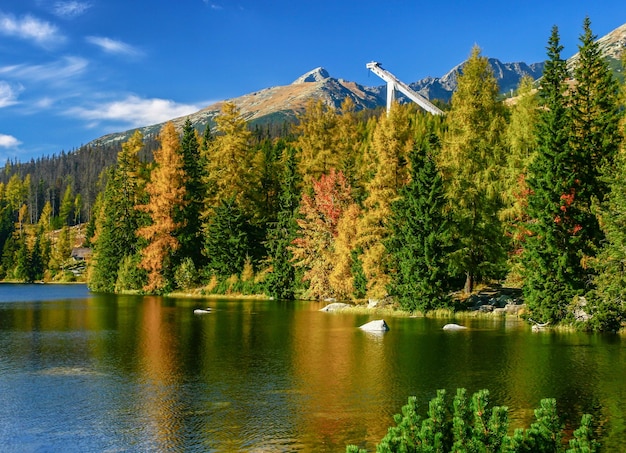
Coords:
pixel 454 327
pixel 336 306
pixel 375 326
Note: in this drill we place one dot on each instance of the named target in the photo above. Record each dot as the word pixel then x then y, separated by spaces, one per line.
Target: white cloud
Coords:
pixel 71 9
pixel 65 68
pixel 8 141
pixel 213 5
pixel 30 28
pixel 8 95
pixel 112 46
pixel 134 111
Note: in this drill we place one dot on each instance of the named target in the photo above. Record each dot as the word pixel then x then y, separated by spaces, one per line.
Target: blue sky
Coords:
pixel 74 70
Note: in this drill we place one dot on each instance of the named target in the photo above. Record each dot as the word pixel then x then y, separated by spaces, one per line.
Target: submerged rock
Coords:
pixel 454 327
pixel 375 326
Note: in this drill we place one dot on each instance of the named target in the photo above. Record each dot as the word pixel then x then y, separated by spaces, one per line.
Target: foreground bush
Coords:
pixel 471 426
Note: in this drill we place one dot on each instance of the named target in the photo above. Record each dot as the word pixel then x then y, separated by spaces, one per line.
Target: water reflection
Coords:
pixel 146 374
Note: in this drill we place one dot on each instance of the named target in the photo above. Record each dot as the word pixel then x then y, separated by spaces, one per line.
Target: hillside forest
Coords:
pixel 402 206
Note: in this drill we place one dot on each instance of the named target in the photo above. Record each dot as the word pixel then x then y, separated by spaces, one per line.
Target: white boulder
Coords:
pixel 375 326
pixel 454 327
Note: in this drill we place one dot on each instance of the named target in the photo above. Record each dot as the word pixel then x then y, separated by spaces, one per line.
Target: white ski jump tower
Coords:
pixel 394 84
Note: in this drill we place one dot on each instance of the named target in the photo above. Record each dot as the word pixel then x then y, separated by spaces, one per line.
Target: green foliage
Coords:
pixel 228 239
pixel 473 426
pixel 189 216
pixel 185 275
pixel 282 278
pixel 118 219
pixel 566 179
pixel 314 248
pixel 472 160
pixel 130 277
pixel 421 235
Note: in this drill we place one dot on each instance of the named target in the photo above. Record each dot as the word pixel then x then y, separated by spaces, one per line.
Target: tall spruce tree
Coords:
pixel 421 234
pixel 119 220
pixel 552 266
pixel 281 281
pixel 189 216
pixel 578 140
pixel 609 300
pixel 594 138
pixel 472 160
pixel 228 242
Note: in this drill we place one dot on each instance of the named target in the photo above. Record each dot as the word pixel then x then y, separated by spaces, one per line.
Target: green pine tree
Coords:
pixel 421 235
pixel 118 219
pixel 578 141
pixel 190 234
pixel 282 279
pixel 550 257
pixel 227 242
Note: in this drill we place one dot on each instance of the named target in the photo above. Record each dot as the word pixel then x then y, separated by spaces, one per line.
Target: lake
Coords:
pixel 102 373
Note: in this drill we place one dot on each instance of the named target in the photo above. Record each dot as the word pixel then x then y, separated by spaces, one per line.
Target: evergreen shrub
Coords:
pixel 472 426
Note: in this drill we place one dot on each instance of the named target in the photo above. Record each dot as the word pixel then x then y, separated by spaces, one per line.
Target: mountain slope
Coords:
pixel 283 103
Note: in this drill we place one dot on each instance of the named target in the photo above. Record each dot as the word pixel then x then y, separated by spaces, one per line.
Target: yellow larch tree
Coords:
pixel 231 160
pixel 316 141
pixel 166 192
pixel 341 278
pixel 392 140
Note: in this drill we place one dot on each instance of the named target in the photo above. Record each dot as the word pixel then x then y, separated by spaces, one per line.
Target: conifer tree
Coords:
pixel 421 234
pixel 348 144
pixel 231 162
pixel 472 160
pixel 341 278
pixel 313 249
pixel 22 269
pixel 522 144
pixel 166 192
pixel 609 300
pixel 391 142
pixel 578 141
pixel 119 220
pixel 189 215
pixel 594 138
pixel 550 261
pixel 281 280
pixel 316 141
pixel 67 206
pixel 227 243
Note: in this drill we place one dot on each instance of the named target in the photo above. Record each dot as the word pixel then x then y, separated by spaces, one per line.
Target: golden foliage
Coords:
pixel 166 191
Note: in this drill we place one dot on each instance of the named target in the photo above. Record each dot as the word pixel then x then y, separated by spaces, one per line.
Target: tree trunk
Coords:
pixel 469 282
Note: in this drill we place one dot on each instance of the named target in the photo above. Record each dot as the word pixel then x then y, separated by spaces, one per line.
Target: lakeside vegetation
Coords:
pixel 471 425
pixel 404 207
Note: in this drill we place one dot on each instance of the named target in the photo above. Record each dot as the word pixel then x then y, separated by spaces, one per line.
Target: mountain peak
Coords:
pixel 316 75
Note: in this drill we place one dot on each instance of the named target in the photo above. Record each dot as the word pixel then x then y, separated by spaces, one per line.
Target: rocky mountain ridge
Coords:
pixel 279 104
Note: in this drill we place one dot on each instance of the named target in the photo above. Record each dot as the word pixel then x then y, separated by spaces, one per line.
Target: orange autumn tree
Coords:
pixel 166 192
pixel 313 249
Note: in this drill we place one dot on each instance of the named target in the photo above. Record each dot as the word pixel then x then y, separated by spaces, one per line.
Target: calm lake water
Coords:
pixel 94 373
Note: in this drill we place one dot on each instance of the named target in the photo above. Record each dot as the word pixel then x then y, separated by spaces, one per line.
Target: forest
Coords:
pixel 402 206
